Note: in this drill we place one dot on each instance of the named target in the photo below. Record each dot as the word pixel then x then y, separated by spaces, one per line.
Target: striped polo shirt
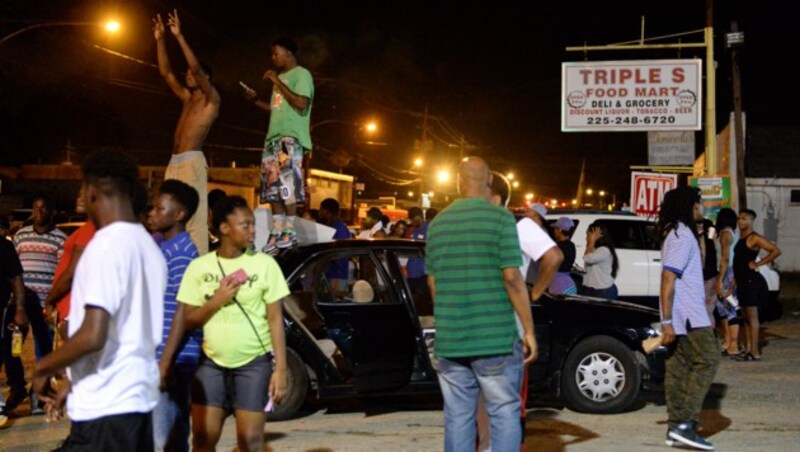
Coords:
pixel 468 246
pixel 179 251
pixel 39 255
pixel 680 254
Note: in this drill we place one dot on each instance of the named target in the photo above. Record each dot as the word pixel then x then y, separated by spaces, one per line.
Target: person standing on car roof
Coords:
pixel 602 264
pixel 752 288
pixel 693 351
pixel 472 260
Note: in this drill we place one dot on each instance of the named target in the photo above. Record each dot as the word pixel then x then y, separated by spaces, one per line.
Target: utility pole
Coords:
pixel 581 181
pixel 738 125
pixel 712 166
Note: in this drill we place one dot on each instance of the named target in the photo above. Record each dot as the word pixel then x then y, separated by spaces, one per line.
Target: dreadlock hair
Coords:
pixel 677 207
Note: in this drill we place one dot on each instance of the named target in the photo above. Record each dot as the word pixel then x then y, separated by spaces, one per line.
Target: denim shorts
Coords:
pixel 242 388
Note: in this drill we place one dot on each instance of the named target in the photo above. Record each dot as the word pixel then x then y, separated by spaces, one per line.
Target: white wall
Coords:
pixel 771 197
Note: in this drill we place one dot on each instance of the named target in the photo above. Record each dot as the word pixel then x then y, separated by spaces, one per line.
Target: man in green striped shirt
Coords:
pixel 472 259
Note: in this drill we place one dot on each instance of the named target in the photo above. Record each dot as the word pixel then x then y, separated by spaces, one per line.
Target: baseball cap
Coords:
pixel 564 223
pixel 539 208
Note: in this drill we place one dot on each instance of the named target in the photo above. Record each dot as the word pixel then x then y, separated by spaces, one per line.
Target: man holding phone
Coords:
pixel 288 140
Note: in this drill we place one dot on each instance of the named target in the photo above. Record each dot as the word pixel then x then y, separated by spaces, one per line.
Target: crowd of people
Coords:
pixel 145 338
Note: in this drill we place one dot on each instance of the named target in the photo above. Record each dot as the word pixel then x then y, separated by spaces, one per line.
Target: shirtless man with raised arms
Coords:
pixel 200 108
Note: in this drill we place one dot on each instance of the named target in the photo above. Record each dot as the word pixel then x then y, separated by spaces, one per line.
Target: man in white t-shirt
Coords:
pixel 537 246
pixel 116 317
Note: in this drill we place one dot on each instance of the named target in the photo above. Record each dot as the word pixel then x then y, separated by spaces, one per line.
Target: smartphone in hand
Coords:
pixel 239 275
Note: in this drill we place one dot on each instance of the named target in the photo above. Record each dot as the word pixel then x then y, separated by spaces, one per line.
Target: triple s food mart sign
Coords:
pixel 643 95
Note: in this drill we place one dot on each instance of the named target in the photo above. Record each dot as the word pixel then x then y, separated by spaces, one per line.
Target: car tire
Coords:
pixel 296 391
pixel 600 375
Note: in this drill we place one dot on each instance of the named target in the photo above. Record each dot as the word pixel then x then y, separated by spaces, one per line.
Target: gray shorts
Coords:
pixel 243 388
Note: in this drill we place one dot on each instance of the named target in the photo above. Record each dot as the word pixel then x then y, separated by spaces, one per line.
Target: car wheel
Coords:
pixel 296 391
pixel 600 375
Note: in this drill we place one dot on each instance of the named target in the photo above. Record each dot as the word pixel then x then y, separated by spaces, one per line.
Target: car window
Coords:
pixel 627 235
pixel 413 268
pixel 352 276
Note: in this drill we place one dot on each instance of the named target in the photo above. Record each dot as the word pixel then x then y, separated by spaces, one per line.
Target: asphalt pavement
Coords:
pixel 751 406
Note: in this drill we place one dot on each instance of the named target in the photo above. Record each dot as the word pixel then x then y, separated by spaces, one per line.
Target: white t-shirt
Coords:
pixel 533 241
pixel 123 272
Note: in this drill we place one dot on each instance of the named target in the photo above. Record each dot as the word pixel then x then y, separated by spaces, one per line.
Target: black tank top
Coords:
pixel 742 256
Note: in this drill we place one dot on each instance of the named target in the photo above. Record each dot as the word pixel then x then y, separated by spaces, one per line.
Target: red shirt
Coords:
pixel 80 237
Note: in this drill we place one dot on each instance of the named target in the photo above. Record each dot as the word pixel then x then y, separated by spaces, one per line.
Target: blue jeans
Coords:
pixel 171 416
pixel 498 378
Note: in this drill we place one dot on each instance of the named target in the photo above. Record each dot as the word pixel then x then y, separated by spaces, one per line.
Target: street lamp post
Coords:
pixel 111 26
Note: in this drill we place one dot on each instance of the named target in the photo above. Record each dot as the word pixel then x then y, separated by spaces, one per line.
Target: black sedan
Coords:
pixel 359 322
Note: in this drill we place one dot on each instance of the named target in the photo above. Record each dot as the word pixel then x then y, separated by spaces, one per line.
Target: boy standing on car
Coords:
pixel 693 351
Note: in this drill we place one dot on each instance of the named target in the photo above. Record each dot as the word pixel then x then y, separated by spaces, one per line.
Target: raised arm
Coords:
pixel 163 61
pixel 203 82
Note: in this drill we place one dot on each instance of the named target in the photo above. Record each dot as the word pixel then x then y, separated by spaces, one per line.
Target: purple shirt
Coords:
pixel 680 254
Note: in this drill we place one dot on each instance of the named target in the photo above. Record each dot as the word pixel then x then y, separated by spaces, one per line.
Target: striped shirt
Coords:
pixel 469 244
pixel 39 255
pixel 680 254
pixel 179 252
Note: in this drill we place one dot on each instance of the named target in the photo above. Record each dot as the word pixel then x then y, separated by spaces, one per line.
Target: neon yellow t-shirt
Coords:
pixel 228 338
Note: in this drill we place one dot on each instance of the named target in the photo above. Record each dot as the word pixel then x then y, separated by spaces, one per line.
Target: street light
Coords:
pixel 589 191
pixel 510 176
pixel 110 26
pixel 443 176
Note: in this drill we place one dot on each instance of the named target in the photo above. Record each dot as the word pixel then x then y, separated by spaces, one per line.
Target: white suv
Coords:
pixel 639 276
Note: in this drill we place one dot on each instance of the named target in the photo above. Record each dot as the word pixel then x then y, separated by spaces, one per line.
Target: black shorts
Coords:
pixel 243 388
pixel 752 291
pixel 132 431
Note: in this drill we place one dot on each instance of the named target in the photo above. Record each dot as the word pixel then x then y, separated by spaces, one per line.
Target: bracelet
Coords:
pixel 666 322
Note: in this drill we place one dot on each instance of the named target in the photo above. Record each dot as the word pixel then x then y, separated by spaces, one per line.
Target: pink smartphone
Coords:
pixel 239 275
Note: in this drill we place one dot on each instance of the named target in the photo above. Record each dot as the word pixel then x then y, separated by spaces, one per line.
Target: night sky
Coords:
pixel 489 71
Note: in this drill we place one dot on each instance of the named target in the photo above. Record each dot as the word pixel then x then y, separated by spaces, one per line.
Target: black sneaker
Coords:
pixel 686 434
pixel 15 397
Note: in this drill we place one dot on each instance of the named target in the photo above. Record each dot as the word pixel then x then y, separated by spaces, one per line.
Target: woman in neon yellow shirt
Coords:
pixel 234 294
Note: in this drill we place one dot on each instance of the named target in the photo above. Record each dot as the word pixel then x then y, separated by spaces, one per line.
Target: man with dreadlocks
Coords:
pixel 693 352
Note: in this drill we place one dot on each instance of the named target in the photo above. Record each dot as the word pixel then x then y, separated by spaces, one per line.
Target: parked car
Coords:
pixel 638 250
pixel 344 341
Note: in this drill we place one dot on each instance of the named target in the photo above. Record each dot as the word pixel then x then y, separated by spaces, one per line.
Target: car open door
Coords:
pixel 375 333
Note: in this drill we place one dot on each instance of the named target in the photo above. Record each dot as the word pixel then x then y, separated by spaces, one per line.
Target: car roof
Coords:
pixel 584 212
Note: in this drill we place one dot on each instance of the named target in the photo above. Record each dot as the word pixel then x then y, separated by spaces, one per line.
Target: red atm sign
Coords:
pixel 647 191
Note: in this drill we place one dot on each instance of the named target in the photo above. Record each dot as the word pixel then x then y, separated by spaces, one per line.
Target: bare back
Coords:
pixel 198 114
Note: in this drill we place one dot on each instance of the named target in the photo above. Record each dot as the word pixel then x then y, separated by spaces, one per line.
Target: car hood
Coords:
pixel 601 303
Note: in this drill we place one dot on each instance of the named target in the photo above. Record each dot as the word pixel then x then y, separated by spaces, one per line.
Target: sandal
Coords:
pixel 748 357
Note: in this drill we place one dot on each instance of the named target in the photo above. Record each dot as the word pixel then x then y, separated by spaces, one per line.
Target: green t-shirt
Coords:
pixel 228 338
pixel 285 120
pixel 468 246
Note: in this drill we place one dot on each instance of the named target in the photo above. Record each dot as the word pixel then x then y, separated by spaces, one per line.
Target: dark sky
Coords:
pixel 490 71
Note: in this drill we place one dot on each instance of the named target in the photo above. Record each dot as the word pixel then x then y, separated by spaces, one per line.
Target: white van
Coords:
pixel 639 276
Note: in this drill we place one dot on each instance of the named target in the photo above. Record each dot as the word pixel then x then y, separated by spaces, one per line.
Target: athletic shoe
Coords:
pixel 15 397
pixel 271 246
pixel 36 406
pixel 686 434
pixel 288 238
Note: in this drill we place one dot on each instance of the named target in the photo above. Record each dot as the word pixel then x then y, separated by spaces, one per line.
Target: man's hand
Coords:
pixel 54 405
pixel 250 94
pixel 271 76
pixel 278 385
pixel 668 332
pixel 174 23
pixel 165 371
pixel 530 348
pixel 20 318
pixel 158 27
